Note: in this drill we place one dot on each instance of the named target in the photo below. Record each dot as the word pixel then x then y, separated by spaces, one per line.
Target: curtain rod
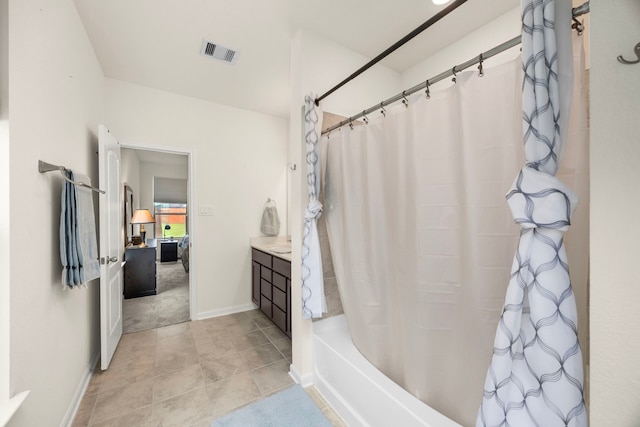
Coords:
pixel 435 18
pixel 577 11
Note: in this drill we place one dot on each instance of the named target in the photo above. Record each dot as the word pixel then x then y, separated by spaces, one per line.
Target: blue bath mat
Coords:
pixel 289 408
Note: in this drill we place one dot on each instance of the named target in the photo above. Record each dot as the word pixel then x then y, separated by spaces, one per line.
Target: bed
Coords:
pixel 183 252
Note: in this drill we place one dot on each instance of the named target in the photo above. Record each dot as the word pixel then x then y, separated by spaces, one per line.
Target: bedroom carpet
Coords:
pixel 168 307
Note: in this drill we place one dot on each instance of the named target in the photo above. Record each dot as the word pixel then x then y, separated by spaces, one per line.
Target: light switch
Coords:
pixel 205 210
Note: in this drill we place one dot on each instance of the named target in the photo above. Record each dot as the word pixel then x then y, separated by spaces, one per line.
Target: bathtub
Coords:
pixel 360 394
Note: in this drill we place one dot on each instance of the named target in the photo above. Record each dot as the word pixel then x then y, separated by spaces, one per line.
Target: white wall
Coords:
pixel 615 203
pixel 317 65
pixel 239 160
pixel 56 103
pixel 4 195
pixel 130 173
pixel 484 38
pixel 323 64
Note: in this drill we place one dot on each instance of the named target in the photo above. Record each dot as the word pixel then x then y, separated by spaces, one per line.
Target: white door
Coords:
pixel 111 245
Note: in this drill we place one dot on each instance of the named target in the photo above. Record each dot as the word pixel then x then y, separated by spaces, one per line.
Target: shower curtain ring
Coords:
pixel 454 74
pixel 382 110
pixel 351 122
pixel 480 69
pixel 405 101
pixel 428 92
pixel 578 26
pixel 364 117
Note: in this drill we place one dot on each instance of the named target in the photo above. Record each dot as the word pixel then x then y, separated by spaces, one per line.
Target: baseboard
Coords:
pixel 225 311
pixel 79 394
pixel 304 380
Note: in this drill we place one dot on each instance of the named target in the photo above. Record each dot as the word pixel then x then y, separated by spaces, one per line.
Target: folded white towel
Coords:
pixel 270 224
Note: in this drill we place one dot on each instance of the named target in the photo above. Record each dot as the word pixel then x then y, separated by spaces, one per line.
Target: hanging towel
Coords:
pixel 78 244
pixel 270 222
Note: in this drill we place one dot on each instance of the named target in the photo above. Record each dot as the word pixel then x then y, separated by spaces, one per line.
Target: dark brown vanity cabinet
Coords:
pixel 271 288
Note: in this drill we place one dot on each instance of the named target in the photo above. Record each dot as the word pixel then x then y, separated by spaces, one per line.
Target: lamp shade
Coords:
pixel 142 216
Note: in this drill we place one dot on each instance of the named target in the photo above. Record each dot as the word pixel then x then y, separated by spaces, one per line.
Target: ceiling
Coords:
pixel 156 43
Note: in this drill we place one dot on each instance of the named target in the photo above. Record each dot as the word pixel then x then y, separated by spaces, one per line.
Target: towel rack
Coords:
pixel 44 167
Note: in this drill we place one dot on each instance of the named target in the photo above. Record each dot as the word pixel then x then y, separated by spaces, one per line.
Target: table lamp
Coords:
pixel 142 217
pixel 166 227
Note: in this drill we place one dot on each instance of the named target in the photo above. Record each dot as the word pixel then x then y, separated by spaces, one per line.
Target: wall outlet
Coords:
pixel 205 210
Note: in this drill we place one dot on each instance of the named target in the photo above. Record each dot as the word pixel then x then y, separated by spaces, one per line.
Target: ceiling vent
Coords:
pixel 214 50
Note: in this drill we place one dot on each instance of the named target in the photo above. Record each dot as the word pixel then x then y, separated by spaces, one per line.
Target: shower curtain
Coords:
pixel 536 374
pixel 421 235
pixel 314 303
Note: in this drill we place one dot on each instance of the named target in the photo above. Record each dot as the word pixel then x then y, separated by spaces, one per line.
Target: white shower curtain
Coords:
pixel 421 236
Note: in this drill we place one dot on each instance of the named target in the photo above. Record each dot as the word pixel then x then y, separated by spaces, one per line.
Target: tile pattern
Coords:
pixel 191 373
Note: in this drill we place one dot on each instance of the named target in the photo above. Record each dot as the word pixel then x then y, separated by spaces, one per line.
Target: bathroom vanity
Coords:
pixel 271 280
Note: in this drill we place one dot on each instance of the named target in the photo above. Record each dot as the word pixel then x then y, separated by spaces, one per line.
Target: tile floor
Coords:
pixel 191 373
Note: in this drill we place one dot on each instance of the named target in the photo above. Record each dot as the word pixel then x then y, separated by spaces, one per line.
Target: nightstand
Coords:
pixel 168 251
pixel 139 272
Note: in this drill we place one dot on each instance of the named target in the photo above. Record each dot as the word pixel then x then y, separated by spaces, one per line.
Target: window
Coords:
pixel 172 214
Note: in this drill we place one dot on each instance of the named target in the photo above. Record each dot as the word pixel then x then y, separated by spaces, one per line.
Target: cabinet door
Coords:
pixel 255 283
pixel 265 306
pixel 279 298
pixel 288 331
pixel 282 266
pixel 279 318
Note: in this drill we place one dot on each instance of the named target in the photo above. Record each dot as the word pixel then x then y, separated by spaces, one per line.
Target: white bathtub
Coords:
pixel 362 395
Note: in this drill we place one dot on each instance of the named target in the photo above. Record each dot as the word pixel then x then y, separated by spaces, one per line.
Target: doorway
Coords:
pixel 159 179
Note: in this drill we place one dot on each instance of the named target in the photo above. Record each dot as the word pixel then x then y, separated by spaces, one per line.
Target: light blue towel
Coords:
pixel 78 243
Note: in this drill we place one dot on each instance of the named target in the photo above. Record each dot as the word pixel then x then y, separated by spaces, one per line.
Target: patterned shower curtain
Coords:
pixel 313 298
pixel 536 376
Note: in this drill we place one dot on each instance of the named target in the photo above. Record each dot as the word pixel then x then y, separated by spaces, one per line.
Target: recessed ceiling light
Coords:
pixel 438 2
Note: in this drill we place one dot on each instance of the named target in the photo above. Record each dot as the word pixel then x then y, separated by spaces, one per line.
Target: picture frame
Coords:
pixel 128 213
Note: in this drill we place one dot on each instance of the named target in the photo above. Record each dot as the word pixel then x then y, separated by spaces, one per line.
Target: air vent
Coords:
pixel 221 53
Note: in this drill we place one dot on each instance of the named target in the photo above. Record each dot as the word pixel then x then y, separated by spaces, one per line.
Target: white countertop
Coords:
pixel 275 246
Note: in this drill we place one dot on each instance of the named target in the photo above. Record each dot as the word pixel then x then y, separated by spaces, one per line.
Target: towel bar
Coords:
pixel 44 167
